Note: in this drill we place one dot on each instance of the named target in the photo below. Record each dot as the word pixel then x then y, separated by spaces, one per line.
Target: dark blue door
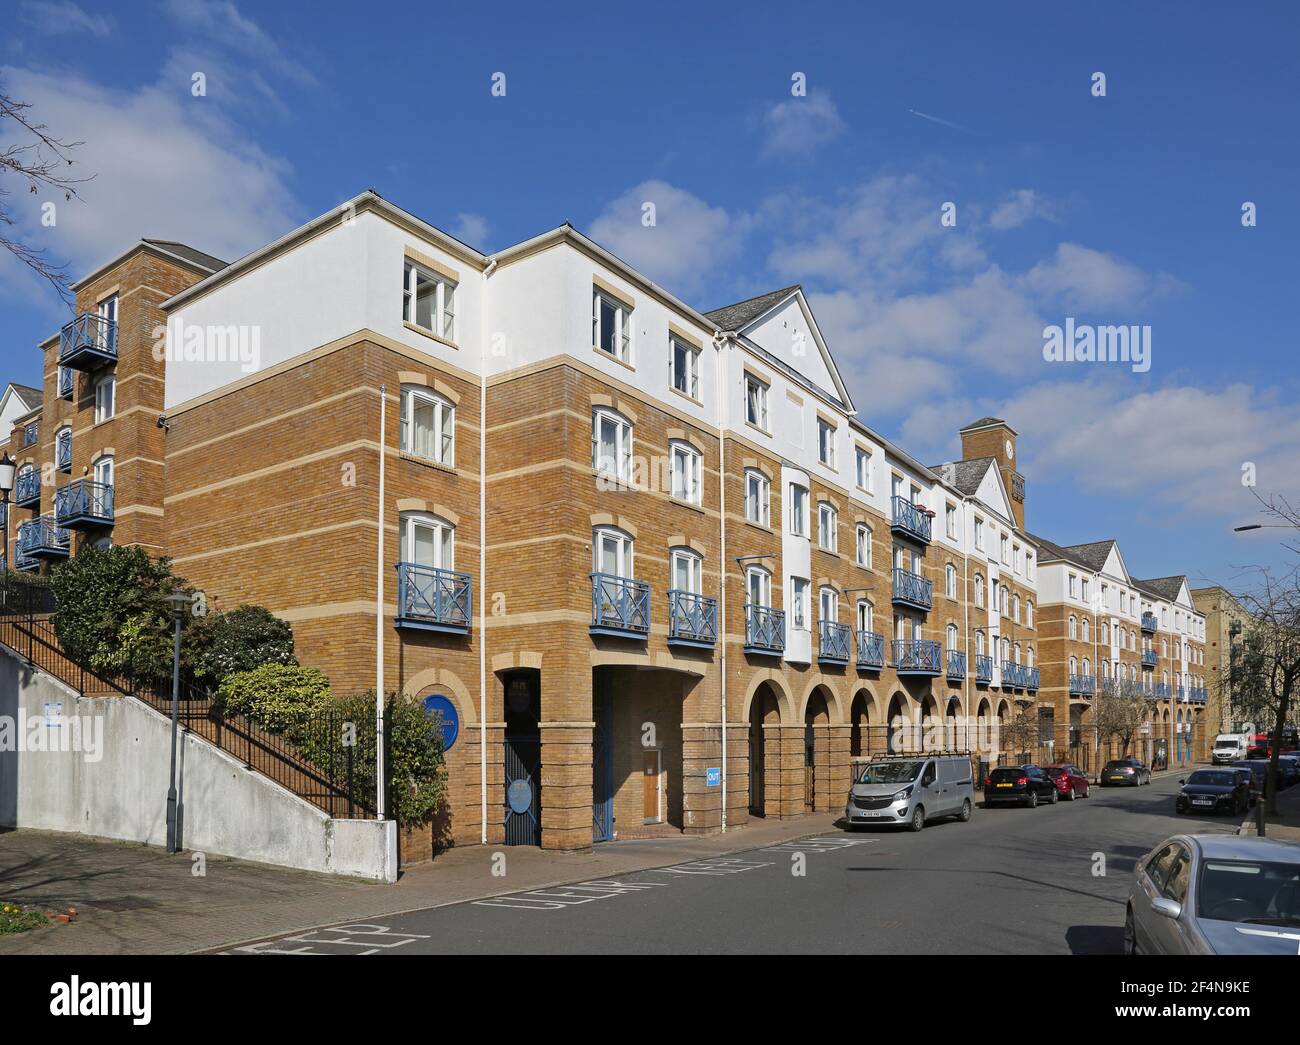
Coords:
pixel 523 806
pixel 602 772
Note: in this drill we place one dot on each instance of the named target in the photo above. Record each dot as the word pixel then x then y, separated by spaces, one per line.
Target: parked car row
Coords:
pixel 1029 785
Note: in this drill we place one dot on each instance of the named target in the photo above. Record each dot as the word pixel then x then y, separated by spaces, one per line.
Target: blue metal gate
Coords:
pixel 523 806
pixel 602 771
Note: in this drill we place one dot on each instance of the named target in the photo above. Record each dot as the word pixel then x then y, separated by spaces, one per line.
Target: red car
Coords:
pixel 1070 781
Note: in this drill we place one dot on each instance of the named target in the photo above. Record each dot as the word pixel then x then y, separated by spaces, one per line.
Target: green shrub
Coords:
pixel 221 644
pixel 275 696
pixel 112 614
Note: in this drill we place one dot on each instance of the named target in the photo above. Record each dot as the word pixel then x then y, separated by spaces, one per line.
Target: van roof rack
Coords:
pixel 916 754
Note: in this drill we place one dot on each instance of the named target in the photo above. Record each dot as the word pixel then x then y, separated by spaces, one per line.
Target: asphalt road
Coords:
pixel 1011 881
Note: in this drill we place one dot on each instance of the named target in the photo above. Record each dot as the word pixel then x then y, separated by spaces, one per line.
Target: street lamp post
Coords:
pixel 180 601
pixel 7 472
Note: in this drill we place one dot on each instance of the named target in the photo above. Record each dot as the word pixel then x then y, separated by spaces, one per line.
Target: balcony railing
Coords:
pixel 911 589
pixel 1161 690
pixel 433 599
pixel 764 630
pixel 1149 623
pixel 1032 677
pixel 833 645
pixel 1197 695
pixel 84 503
pixel 1083 685
pixel 620 606
pixel 63 451
pixel 24 562
pixel 956 664
pixel 1014 676
pixel 31 432
pixel 917 656
pixel 1148 658
pixel 88 342
pixel 1181 694
pixel 692 619
pixel 871 650
pixel 27 490
pixel 42 537
pixel 909 520
pixel 983 668
pixel 65 383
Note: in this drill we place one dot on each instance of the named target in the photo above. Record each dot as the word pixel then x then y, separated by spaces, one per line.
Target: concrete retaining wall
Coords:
pixel 107 776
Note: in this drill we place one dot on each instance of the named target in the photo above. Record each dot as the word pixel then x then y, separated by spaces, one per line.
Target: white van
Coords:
pixel 910 790
pixel 1229 747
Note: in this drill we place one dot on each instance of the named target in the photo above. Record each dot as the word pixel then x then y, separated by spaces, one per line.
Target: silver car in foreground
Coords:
pixel 1215 894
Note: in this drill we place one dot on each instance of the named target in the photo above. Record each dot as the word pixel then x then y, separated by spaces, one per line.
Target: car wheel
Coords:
pixel 965 811
pixel 1033 799
pixel 918 818
pixel 1055 797
pixel 1130 934
pixel 1070 793
pixel 1087 790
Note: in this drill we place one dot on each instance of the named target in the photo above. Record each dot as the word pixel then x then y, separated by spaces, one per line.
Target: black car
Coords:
pixel 1248 779
pixel 1019 785
pixel 1258 769
pixel 1213 791
pixel 1125 772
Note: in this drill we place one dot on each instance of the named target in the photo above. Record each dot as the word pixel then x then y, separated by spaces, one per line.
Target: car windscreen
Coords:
pixel 1250 891
pixel 1208 778
pixel 1226 743
pixel 889 772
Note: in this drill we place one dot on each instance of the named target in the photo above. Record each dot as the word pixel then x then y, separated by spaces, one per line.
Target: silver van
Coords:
pixel 910 790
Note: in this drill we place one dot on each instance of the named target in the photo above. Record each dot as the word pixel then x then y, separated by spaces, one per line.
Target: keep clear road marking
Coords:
pixel 825 844
pixel 350 939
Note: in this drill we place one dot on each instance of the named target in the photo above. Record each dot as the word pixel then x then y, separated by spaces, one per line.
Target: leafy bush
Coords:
pixel 275 696
pixel 221 644
pixel 111 611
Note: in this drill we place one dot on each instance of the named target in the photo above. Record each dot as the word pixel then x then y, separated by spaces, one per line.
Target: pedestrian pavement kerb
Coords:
pixel 1284 825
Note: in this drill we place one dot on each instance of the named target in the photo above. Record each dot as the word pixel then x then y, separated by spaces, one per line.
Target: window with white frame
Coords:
pixel 758 497
pixel 979 643
pixel 1018 554
pixel 428 541
pixel 1074 626
pixel 428 425
pixel 952 636
pixel 862 467
pixel 103 470
pixel 1084 628
pixel 611 326
pixel 1029 656
pixel 863 545
pixel 799 603
pixel 758 586
pixel 1029 565
pixel 950 521
pixel 1015 608
pixel 979 590
pixel 866 615
pixel 1029 613
pixel 429 301
pixel 611 445
pixel 107 311
pixel 798 510
pixel 687 571
pixel 611 552
pixel 1006 550
pixel 756 402
pixel 1074 665
pixel 1074 586
pixel 827 526
pixel 950 581
pixel 828 605
pixel 687 465
pixel 826 443
pixel 684 367
pixel 105 397
pixel 1083 589
pixel 979 534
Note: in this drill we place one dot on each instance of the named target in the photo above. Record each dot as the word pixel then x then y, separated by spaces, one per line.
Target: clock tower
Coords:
pixel 993 437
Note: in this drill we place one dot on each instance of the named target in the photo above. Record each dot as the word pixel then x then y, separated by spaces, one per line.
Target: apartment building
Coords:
pixel 1225 625
pixel 647 561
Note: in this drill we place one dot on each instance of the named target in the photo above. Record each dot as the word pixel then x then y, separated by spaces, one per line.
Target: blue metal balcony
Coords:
pixel 63 451
pixel 620 606
pixel 764 630
pixel 956 664
pixel 1083 685
pixel 983 669
pixel 27 490
pixel 871 651
pixel 43 538
pixel 31 432
pixel 432 599
pixel 1013 675
pixel 909 521
pixel 1197 695
pixel 84 504
pixel 1161 690
pixel 834 641
pixel 917 656
pixel 25 563
pixel 65 383
pixel 1032 677
pixel 692 619
pixel 1149 623
pixel 1181 694
pixel 88 342
pixel 911 589
pixel 1148 658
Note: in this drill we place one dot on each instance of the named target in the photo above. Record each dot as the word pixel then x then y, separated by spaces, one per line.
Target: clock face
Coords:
pixel 1011 450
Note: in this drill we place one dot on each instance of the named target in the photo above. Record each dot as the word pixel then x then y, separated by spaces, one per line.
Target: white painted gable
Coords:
pixel 1115 564
pixel 789 332
pixel 993 493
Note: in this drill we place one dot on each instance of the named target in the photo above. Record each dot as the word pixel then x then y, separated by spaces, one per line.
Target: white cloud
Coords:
pixel 470 228
pixel 687 239
pixel 56 17
pixel 220 23
pixel 1081 277
pixel 1021 206
pixel 165 165
pixel 798 126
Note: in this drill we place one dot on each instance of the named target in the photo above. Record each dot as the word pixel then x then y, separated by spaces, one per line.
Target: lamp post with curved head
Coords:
pixel 7 472
pixel 179 601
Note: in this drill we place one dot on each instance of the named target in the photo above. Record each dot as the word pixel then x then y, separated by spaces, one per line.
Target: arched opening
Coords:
pixel 899 736
pixel 931 735
pixel 764 711
pixel 954 736
pixel 816 753
pixel 860 725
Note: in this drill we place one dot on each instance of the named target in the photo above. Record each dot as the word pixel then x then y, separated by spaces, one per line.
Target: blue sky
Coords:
pixel 1123 209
